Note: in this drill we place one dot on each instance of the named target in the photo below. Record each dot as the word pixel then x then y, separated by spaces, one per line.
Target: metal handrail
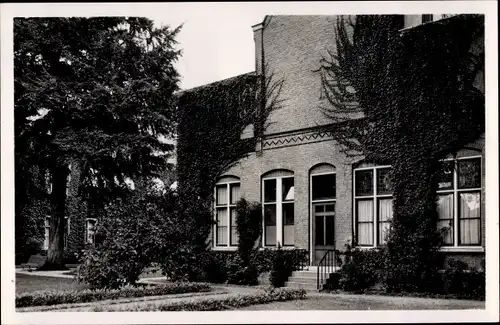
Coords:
pixel 326 266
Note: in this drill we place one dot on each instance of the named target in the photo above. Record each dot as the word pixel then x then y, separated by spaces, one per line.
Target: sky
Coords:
pixel 215 44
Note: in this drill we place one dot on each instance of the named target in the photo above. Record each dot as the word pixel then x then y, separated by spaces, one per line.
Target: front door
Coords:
pixel 323 229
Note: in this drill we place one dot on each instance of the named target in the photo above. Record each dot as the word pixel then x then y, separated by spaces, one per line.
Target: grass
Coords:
pixel 150 272
pixel 31 283
pixel 359 302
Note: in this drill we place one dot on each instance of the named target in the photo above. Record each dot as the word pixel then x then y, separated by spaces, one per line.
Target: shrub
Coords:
pixel 263 259
pixel 361 269
pixel 186 260
pixel 215 266
pixel 249 226
pixel 241 272
pixel 213 304
pixel 458 279
pixel 135 232
pixel 229 267
pixel 279 271
pixel 47 298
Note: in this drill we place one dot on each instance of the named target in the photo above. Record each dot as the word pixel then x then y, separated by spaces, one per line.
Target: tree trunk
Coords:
pixel 55 254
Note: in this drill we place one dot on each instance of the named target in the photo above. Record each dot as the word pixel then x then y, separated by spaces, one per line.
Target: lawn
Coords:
pixel 149 272
pixel 31 283
pixel 359 302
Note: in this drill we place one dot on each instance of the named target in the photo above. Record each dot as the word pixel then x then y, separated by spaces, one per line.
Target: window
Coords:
pixel 278 209
pixel 323 195
pixel 459 201
pixel 227 193
pixel 90 230
pixel 427 18
pixel 372 204
pixel 47 233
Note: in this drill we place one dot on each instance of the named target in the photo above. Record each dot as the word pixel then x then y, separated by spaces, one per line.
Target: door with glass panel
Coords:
pixel 323 200
pixel 324 228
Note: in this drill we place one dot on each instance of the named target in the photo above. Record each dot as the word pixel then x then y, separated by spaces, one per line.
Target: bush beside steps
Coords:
pixel 48 298
pixel 214 303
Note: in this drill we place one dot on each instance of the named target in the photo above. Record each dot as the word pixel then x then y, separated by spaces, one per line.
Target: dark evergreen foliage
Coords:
pixel 407 98
pixel 97 91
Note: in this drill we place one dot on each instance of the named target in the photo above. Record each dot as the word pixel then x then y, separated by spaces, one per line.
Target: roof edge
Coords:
pixel 216 82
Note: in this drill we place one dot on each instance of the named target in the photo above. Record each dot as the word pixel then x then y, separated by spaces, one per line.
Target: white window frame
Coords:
pixel 374 198
pixel 87 230
pixel 456 209
pixel 46 233
pixel 228 206
pixel 279 211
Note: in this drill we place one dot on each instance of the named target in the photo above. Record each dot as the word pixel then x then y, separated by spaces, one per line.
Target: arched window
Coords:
pixel 279 210
pixel 227 193
pixel 372 204
pixel 459 199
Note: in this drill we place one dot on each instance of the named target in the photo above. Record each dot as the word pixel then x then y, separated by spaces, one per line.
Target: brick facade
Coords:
pixel 291 47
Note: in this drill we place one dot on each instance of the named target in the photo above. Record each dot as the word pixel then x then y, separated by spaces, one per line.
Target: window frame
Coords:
pixel 228 208
pixel 374 197
pixel 456 191
pixel 46 232
pixel 314 203
pixel 279 202
pixel 87 231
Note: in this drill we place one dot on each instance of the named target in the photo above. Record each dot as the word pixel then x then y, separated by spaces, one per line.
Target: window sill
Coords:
pixel 464 249
pixel 276 247
pixel 225 249
pixel 457 249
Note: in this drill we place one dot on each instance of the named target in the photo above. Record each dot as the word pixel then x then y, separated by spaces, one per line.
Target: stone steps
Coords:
pixel 306 279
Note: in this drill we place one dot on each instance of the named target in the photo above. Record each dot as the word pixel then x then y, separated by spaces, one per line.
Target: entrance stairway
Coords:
pixel 307 279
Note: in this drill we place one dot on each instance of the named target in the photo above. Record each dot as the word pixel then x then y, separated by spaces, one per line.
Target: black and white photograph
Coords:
pixel 323 159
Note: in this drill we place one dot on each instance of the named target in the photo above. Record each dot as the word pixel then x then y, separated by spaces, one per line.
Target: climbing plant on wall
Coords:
pixel 211 121
pixel 407 98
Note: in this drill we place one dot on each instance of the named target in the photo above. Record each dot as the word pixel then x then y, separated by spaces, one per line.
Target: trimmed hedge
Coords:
pixel 214 304
pixel 48 298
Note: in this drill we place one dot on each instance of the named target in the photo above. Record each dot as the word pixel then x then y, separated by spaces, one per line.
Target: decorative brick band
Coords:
pixel 293 139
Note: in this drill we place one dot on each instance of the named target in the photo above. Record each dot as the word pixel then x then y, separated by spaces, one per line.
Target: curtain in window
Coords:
pixel 235 193
pixel 222 227
pixel 234 231
pixel 288 224
pixel 469 218
pixel 385 216
pixel 365 222
pixel 222 195
pixel 47 234
pixel 270 225
pixel 288 189
pixel 445 221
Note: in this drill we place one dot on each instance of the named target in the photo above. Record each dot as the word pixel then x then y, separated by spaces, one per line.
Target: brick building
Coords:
pixel 313 196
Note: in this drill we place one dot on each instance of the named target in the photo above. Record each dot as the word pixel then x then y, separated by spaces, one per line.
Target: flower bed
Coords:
pixel 47 298
pixel 214 304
